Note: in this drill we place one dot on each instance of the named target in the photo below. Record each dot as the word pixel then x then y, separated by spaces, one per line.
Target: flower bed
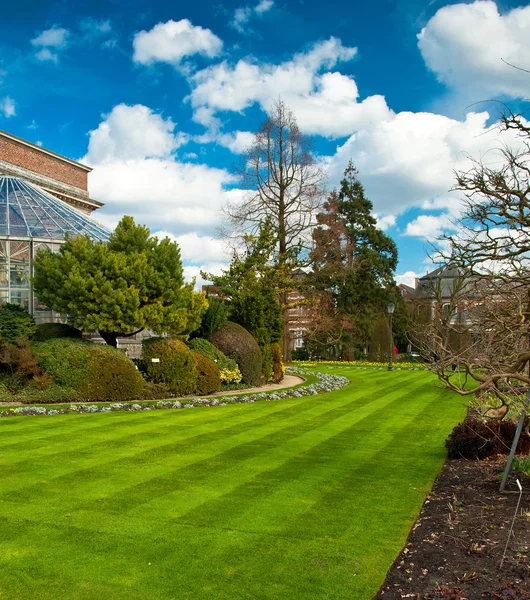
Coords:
pixel 326 383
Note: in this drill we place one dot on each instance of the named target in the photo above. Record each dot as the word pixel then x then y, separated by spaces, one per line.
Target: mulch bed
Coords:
pixel 455 548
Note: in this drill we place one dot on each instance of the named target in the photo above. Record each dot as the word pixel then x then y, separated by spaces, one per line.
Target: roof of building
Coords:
pixel 74 163
pixel 28 211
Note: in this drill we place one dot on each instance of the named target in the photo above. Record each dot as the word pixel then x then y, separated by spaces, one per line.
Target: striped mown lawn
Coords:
pixel 307 498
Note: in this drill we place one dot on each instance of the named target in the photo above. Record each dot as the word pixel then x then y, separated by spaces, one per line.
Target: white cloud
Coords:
pixel 170 42
pixel 49 41
pixel 385 222
pixel 243 14
pixel 7 107
pixel 196 249
pixel 55 37
pixel 410 159
pixel 429 227
pixel 46 55
pixel 324 103
pixel 408 278
pixel 136 173
pixel 237 141
pixel 94 27
pixel 132 132
pixel 465 45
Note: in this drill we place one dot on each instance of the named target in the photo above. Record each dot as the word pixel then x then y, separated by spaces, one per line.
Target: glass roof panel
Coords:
pixel 28 211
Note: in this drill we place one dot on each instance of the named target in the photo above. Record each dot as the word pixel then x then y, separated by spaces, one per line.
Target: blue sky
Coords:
pixel 159 98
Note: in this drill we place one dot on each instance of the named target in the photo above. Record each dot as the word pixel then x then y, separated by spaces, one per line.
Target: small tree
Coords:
pixel 119 288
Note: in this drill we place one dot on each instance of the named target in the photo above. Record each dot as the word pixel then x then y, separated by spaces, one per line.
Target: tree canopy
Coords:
pixel 133 282
pixel 352 267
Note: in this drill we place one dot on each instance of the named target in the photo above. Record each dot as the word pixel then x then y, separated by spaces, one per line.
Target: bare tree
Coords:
pixel 287 186
pixel 492 246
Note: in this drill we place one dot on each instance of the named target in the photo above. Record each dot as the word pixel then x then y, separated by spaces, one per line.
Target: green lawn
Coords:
pixel 307 498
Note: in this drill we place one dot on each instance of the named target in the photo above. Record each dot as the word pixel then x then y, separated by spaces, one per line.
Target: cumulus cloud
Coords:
pixel 243 14
pixel 7 107
pixel 324 102
pixel 49 41
pixel 172 41
pixel 410 159
pixel 465 45
pixel 429 227
pixel 132 132
pixel 136 172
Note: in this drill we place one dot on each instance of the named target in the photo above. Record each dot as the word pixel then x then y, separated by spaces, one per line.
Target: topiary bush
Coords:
pixel 177 369
pixel 278 368
pixel 50 331
pixel 237 343
pixel 95 372
pixel 208 375
pixel 15 323
pixel 481 439
pixel 230 372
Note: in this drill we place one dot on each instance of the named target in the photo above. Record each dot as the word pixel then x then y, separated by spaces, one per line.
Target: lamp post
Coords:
pixel 390 307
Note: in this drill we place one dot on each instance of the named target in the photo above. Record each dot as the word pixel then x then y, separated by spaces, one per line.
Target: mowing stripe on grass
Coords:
pixel 296 499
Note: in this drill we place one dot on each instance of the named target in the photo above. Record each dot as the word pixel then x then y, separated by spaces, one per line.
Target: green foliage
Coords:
pixel 177 369
pixel 213 319
pixel 251 284
pixel 132 282
pixel 15 323
pixel 50 331
pixel 480 439
pixel 521 465
pixel 230 372
pixel 95 372
pixel 208 375
pixel 278 368
pixel 353 263
pixel 237 343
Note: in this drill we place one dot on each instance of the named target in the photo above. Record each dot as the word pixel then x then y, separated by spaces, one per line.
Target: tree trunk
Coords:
pixel 110 337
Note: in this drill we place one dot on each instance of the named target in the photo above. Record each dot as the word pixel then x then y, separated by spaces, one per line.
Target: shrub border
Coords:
pixel 325 383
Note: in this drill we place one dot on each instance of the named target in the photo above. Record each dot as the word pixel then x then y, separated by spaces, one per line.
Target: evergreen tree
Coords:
pixel 134 281
pixel 250 285
pixel 353 263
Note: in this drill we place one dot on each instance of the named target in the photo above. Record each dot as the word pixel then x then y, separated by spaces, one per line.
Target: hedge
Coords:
pixel 237 343
pixel 177 366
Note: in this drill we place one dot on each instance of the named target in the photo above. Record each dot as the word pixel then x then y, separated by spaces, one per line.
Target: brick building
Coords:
pixel 55 174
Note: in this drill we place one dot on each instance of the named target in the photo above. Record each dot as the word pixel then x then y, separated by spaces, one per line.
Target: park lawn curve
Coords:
pixel 297 499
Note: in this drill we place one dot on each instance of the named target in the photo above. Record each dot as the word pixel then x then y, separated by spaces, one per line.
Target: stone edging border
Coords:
pixel 326 383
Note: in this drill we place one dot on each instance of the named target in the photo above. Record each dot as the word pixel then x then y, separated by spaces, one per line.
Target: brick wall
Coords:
pixel 40 162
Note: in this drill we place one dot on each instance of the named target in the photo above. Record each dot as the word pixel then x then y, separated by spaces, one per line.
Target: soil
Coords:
pixel 455 548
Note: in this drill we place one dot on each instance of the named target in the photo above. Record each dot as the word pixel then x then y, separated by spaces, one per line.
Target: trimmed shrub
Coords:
pixel 278 368
pixel 15 323
pixel 230 372
pixel 96 372
pixel 50 331
pixel 237 343
pixel 479 439
pixel 208 375
pixel 177 369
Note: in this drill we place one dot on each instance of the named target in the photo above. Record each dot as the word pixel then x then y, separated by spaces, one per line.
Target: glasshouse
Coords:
pixel 32 219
